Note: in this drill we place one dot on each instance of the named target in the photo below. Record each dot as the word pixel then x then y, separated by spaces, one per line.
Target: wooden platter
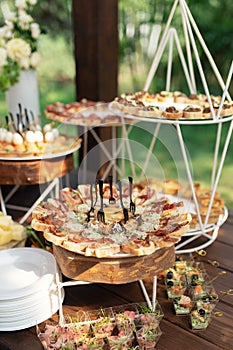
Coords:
pixel 29 172
pixel 113 270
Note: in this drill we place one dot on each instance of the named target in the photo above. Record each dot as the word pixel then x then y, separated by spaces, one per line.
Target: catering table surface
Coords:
pixel 177 334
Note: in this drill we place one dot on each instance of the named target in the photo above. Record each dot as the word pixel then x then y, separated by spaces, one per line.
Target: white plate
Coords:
pixel 27 302
pixel 35 318
pixel 25 271
pixel 45 302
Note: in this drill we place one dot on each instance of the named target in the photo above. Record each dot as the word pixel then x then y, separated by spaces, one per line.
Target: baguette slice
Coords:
pixel 172 113
pixel 138 249
pixel 40 226
pixel 53 238
pixel 102 251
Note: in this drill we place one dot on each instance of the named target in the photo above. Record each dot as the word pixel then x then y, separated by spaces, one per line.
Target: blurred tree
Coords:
pixel 137 34
pixel 138 21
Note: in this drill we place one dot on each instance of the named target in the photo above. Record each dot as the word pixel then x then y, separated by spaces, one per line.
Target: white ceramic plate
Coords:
pixel 26 303
pixel 25 271
pixel 35 317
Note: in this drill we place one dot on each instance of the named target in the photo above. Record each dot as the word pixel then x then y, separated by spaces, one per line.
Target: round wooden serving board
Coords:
pixel 113 270
pixel 31 172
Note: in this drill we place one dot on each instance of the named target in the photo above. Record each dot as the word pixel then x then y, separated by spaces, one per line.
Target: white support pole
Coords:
pixel 154 293
pixel 59 294
pixel 48 189
pixel 187 167
pixel 3 207
pixel 202 75
pixel 11 193
pixel 192 89
pixel 169 66
pixel 225 90
pixel 216 154
pixel 114 153
pixel 85 146
pixel 126 140
pixel 202 246
pixel 224 152
pixel 220 124
pixel 205 48
pixel 102 146
pixel 145 294
pixel 160 48
pixel 148 156
pixel 189 55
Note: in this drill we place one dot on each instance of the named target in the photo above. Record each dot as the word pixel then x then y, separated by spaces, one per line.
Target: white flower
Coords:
pixel 24 20
pixel 32 2
pixel 18 49
pixel 6 31
pixel 34 59
pixel 3 57
pixel 21 3
pixel 2 32
pixel 18 38
pixel 9 16
pixel 24 62
pixel 35 30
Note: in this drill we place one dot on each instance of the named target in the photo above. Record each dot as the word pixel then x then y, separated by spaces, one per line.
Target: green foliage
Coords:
pixel 136 22
pixel 9 75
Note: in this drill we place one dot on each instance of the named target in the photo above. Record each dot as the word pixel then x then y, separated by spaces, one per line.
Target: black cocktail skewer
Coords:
pixel 92 209
pixel 132 206
pixel 111 199
pixel 125 210
pixel 100 213
pixel 27 119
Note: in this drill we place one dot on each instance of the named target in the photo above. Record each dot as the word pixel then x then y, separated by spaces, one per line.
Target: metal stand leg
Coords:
pixel 53 185
pixel 151 304
pixel 3 207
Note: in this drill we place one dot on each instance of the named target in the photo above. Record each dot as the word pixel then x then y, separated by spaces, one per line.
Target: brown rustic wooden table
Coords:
pixel 177 334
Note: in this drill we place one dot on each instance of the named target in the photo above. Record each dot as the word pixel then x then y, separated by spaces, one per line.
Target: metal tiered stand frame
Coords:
pixel 205 230
pixel 169 36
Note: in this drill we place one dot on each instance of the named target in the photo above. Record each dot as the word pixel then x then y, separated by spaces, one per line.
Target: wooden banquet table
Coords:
pixel 177 334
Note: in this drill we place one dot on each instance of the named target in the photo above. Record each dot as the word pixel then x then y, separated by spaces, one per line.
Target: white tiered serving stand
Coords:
pixel 210 232
pixel 205 230
pixel 44 170
pixel 124 146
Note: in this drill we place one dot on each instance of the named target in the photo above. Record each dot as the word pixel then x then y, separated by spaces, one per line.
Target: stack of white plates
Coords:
pixel 28 287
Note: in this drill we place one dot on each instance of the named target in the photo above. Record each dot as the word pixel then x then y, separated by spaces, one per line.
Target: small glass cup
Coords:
pixel 207 303
pixel 120 341
pixel 148 317
pixel 196 275
pixel 102 322
pixel 94 343
pixel 183 305
pixel 199 319
pixel 176 289
pixel 148 338
pixel 125 316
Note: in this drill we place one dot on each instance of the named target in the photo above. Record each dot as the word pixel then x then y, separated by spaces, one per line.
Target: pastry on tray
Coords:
pixel 172 113
pixel 26 139
pixel 191 112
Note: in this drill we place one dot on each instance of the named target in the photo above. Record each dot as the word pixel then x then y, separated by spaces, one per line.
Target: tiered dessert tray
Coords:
pixel 30 170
